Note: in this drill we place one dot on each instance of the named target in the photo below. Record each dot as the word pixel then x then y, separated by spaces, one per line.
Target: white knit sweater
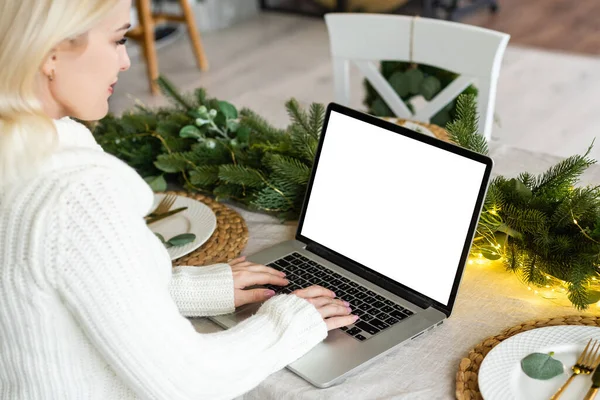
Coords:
pixel 90 307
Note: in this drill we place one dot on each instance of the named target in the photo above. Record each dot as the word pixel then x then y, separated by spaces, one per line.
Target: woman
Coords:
pixel 90 307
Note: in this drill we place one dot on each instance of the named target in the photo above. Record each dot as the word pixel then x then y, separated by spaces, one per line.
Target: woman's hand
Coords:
pixel 335 312
pixel 246 274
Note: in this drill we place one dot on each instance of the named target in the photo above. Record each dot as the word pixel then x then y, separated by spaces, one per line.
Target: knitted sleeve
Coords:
pixel 107 276
pixel 203 291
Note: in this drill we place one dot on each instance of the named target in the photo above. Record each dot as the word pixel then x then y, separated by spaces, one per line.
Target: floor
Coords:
pixel 546 102
pixel 564 25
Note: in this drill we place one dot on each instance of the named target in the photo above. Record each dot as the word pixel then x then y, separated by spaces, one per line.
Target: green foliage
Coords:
pixel 409 80
pixel 542 366
pixel 208 145
pixel 463 130
pixel 551 227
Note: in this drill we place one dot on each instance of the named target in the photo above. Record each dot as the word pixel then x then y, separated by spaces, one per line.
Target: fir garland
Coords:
pixel 206 145
pixel 539 225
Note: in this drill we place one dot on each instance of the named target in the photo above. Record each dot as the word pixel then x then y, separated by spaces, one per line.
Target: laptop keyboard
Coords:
pixel 376 313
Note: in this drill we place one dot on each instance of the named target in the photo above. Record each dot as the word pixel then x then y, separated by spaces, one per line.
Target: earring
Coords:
pixel 51 76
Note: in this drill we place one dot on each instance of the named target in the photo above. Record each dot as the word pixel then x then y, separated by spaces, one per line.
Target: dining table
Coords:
pixel 490 299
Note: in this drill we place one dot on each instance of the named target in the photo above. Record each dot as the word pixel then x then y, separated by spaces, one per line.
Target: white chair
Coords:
pixel 365 39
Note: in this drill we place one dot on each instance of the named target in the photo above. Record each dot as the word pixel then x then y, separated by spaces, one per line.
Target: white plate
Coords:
pixel 411 125
pixel 501 376
pixel 417 128
pixel 198 219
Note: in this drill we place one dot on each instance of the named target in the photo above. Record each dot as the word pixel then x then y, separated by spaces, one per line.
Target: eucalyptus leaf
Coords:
pixel 501 238
pixel 156 183
pixel 541 366
pixel 220 120
pixel 401 83
pixel 415 77
pixel 509 231
pixel 190 131
pixel 232 125
pixel 490 252
pixel 593 296
pixel 228 110
pixel 430 86
pixel 182 239
pixel 519 187
pixel 159 236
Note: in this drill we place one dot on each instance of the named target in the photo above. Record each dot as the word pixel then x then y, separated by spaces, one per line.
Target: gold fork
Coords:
pixel 165 205
pixel 586 363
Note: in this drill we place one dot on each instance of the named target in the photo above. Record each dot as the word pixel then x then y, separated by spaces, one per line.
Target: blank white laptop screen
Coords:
pixel 393 204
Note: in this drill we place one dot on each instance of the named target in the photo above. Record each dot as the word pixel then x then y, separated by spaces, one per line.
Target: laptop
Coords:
pixel 387 224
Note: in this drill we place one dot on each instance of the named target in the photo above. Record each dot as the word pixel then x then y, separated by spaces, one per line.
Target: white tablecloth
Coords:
pixel 489 300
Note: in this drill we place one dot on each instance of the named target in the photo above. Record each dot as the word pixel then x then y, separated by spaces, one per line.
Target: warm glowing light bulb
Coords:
pixel 575 221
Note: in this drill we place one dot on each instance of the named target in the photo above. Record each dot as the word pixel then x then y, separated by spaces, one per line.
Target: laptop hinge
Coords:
pixel 409 295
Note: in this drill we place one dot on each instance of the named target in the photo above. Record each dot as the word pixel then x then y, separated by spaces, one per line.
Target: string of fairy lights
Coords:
pixel 486 242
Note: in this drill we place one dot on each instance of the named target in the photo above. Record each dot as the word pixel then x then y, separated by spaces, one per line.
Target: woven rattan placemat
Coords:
pixel 227 241
pixel 467 387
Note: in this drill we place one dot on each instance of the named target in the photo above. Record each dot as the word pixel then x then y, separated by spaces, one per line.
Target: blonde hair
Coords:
pixel 29 31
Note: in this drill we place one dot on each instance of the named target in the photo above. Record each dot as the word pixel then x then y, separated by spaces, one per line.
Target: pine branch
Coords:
pixel 298 115
pixel 262 130
pixel 578 280
pixel 463 130
pixel 240 175
pixel 304 146
pixel 171 92
pixel 172 163
pixel 231 191
pixel 277 197
pixel 289 169
pixel 317 117
pixel 203 155
pixel 527 179
pixel 531 272
pixel 200 95
pixel 205 175
pixel 562 176
pixel 581 204
pixel 525 220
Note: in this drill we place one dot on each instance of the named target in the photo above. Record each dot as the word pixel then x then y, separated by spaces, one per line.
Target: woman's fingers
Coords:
pixel 334 310
pixel 338 322
pixel 323 301
pixel 249 266
pixel 243 279
pixel 237 260
pixel 314 291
